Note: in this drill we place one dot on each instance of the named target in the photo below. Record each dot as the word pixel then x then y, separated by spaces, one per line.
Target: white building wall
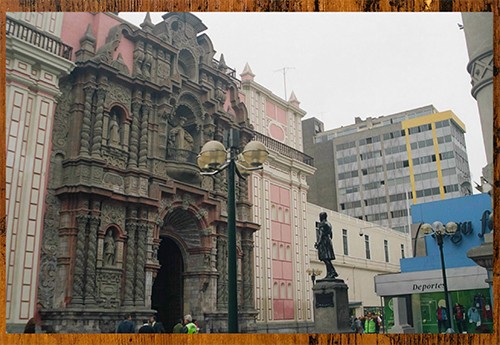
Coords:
pixel 288 174
pixel 357 271
pixel 32 86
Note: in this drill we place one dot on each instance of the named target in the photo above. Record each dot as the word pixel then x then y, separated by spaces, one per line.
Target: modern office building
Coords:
pixel 376 168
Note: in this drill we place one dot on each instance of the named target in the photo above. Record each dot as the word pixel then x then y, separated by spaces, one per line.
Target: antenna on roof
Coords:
pixel 284 69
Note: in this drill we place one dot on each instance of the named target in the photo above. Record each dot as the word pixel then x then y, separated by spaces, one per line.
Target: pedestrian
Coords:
pixel 197 325
pixel 358 325
pixel 30 326
pixel 127 325
pixel 459 314
pixel 378 323
pixel 178 327
pixel 369 324
pixel 189 326
pixel 157 325
pixel 442 318
pixel 146 328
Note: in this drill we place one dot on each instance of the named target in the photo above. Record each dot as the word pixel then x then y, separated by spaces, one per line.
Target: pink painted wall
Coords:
pixel 275 112
pixel 276 132
pixel 75 25
pixel 283 304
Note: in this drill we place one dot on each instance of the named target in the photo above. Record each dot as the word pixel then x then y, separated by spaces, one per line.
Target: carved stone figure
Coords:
pixel 324 245
pixel 114 131
pixel 109 249
pixel 180 138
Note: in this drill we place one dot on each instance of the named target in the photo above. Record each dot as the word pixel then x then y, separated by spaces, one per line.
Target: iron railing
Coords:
pixel 38 39
pixel 283 149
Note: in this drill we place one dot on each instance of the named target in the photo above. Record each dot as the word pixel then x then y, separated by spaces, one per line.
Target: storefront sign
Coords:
pixel 427 287
pixel 463 278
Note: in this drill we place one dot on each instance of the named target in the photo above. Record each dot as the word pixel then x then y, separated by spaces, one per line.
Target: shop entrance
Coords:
pixel 167 296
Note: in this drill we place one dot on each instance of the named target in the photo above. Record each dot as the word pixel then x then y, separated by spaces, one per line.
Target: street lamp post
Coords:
pixel 440 231
pixel 213 159
pixel 313 272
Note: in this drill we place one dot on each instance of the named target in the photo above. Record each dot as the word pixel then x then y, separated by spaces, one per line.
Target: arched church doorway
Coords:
pixel 167 296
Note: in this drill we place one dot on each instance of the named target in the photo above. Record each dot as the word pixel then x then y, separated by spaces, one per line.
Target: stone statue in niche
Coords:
pixel 179 138
pixel 109 249
pixel 114 130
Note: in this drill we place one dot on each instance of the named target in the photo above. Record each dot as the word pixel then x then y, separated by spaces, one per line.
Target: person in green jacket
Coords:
pixel 369 324
pixel 189 326
pixel 178 327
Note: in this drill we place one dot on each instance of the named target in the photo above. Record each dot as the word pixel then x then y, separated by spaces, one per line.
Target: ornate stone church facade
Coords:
pixel 130 225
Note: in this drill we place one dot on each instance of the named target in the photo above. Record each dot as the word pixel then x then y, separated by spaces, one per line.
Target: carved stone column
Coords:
pixel 134 132
pixel 86 121
pixel 141 263
pixel 143 145
pixel 98 124
pixel 222 270
pixel 79 271
pixel 130 262
pixel 247 273
pixel 90 279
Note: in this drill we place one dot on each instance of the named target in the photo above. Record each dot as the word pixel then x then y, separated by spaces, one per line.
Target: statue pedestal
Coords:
pixel 331 307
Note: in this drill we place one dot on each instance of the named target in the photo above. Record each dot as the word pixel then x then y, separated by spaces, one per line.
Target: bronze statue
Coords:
pixel 324 245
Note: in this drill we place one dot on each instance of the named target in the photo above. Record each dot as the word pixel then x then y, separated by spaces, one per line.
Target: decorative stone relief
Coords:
pixel 159 168
pixel 120 65
pixel 118 94
pixel 202 212
pixel 61 123
pixel 113 181
pixel 148 62
pixel 49 249
pixel 106 52
pixel 138 58
pixel 80 256
pixel 112 215
pixel 481 71
pixel 115 157
pixel 108 288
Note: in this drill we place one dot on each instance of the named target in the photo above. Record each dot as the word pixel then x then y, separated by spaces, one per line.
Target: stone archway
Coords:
pixel 167 292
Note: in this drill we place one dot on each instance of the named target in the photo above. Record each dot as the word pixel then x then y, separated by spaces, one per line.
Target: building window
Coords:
pixel 402 251
pixel 367 247
pixel 344 241
pixel 386 250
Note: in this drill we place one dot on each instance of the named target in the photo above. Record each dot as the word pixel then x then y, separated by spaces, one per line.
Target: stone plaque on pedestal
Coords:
pixel 331 307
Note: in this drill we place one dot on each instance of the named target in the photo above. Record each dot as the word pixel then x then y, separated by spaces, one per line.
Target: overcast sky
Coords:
pixel 343 65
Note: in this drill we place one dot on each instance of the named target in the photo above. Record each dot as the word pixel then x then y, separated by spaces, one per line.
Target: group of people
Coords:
pixel 370 323
pixel 152 325
pixel 187 325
